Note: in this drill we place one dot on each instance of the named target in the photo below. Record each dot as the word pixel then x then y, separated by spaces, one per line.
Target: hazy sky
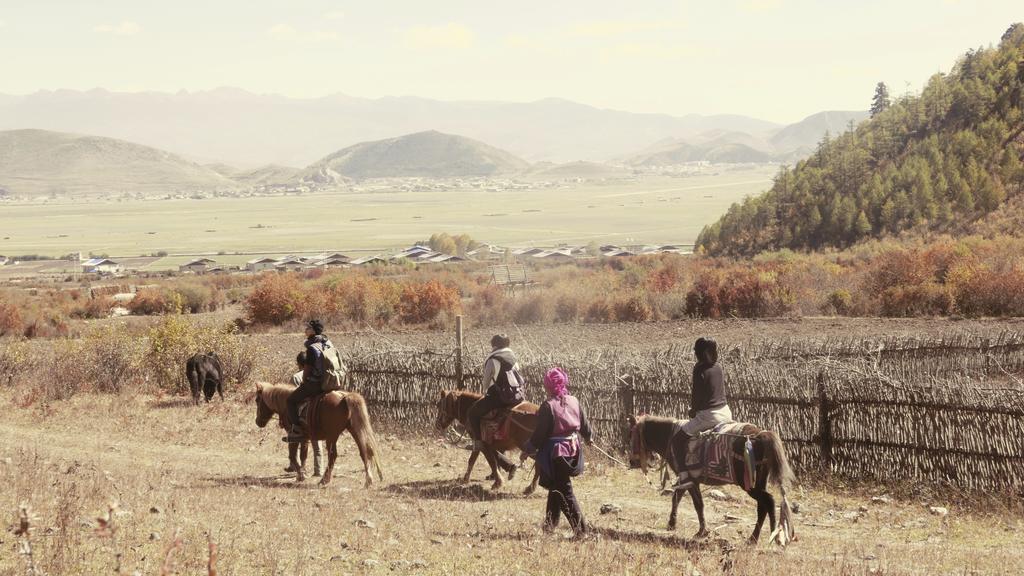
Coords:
pixel 774 59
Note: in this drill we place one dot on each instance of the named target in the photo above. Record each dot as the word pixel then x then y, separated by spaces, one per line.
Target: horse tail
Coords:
pixel 362 431
pixel 780 474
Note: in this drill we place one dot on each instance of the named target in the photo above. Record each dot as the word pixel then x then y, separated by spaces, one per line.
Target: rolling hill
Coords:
pixel 39 162
pixel 428 154
pixel 248 130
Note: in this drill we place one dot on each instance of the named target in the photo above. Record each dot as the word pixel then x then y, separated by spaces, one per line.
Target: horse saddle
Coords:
pixel 495 424
pixel 309 411
pixel 710 453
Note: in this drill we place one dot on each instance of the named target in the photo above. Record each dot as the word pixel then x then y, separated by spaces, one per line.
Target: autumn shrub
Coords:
pixel 195 298
pixel 277 299
pixel 633 308
pixel 150 301
pixel 532 308
pixel 703 300
pixel 600 310
pixel 927 299
pixel 568 307
pixel 176 338
pixel 359 299
pixel 840 301
pixel 93 308
pixel 10 319
pixel 991 293
pixel 421 303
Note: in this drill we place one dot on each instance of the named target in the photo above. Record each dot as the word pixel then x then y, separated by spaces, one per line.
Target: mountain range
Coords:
pixel 242 129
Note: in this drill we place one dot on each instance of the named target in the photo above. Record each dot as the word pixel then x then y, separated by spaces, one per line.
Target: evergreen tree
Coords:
pixel 881 101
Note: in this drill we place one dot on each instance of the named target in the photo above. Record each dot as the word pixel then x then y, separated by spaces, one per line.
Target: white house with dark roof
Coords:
pixel 100 266
pixel 261 264
pixel 198 266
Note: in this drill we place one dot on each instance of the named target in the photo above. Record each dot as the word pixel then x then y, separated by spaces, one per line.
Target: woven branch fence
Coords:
pixel 897 409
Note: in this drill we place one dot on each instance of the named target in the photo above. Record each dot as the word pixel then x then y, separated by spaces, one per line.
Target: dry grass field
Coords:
pixel 646 209
pixel 184 479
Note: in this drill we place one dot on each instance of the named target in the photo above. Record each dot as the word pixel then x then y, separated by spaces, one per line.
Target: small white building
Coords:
pixel 290 264
pixel 260 264
pixel 100 266
pixel 3 260
pixel 368 260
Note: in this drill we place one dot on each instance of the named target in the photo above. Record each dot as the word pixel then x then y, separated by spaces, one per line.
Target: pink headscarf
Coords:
pixel 556 382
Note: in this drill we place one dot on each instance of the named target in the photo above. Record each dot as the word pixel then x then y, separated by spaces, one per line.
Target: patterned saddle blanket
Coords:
pixel 309 411
pixel 494 426
pixel 709 457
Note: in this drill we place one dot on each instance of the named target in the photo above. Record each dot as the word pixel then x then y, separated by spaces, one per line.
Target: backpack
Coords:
pixel 334 369
pixel 508 383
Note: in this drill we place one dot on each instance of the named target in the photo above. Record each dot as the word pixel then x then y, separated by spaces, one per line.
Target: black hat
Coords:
pixel 500 341
pixel 316 326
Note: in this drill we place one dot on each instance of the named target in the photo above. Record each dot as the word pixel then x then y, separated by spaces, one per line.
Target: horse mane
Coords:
pixel 275 396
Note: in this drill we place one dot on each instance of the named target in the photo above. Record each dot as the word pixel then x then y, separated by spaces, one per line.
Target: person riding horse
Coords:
pixel 708 406
pixel 503 386
pixel 313 373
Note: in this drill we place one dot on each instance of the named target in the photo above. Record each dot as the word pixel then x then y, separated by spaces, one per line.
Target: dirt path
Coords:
pixel 210 471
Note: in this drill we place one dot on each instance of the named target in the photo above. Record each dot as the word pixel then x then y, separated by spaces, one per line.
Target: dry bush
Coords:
pixel 568 307
pixel 600 310
pixel 150 301
pixel 175 339
pixel 633 308
pixel 421 303
pixel 10 319
pixel 988 293
pixel 277 299
pixel 532 308
pixel 927 299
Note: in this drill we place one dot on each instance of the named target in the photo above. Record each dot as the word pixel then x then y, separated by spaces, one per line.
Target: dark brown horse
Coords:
pixel 454 405
pixel 204 372
pixel 652 434
pixel 338 412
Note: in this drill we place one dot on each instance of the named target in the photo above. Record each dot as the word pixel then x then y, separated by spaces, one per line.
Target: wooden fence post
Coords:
pixel 459 376
pixel 824 425
pixel 986 346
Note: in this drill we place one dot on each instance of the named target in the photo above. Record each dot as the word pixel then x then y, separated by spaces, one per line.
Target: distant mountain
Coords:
pixel 38 162
pixel 244 129
pixel 584 170
pixel 428 154
pixel 269 175
pixel 785 144
pixel 800 139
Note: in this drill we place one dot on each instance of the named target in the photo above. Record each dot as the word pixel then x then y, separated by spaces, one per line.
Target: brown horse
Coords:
pixel 454 405
pixel 338 412
pixel 652 434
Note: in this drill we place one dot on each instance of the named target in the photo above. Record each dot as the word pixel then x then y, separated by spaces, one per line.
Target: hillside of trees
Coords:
pixel 937 161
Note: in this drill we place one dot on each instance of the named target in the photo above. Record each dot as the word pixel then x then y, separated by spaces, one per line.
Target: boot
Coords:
pixel 294 436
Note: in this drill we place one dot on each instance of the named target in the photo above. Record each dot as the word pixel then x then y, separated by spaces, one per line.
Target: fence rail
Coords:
pixel 841 407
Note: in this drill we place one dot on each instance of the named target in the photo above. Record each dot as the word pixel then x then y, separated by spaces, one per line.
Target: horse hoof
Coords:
pixel 497 485
pixel 290 469
pixel 528 492
pixel 316 473
pixel 701 534
pixel 671 526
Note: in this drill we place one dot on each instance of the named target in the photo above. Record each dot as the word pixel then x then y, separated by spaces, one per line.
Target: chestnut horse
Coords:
pixel 338 412
pixel 454 405
pixel 652 434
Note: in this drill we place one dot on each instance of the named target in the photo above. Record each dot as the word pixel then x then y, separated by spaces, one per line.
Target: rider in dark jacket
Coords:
pixel 312 377
pixel 496 368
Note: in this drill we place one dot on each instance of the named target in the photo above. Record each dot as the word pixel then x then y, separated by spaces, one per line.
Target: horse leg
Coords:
pixel 316 458
pixel 493 461
pixel 293 462
pixel 303 453
pixel 472 462
pixel 332 454
pixel 533 484
pixel 677 495
pixel 698 506
pixel 765 506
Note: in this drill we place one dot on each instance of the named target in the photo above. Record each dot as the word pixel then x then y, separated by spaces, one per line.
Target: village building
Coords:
pixel 290 264
pixel 100 266
pixel 197 266
pixel 261 264
pixel 369 260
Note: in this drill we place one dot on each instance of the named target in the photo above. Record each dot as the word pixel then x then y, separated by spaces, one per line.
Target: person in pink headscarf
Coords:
pixel 556 447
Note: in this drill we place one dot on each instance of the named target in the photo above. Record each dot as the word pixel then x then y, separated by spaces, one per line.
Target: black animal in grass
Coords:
pixel 203 370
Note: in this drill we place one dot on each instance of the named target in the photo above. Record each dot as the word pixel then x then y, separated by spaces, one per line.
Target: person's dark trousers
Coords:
pixel 298 396
pixel 476 414
pixel 561 499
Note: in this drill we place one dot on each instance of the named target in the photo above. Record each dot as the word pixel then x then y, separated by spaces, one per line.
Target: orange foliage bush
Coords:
pixel 422 303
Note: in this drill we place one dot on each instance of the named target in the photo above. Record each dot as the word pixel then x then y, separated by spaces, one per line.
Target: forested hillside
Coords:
pixel 935 161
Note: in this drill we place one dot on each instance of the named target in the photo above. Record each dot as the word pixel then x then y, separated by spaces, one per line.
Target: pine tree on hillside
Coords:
pixel 939 160
pixel 881 101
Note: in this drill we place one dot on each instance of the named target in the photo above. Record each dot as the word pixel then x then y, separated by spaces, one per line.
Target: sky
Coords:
pixel 778 60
